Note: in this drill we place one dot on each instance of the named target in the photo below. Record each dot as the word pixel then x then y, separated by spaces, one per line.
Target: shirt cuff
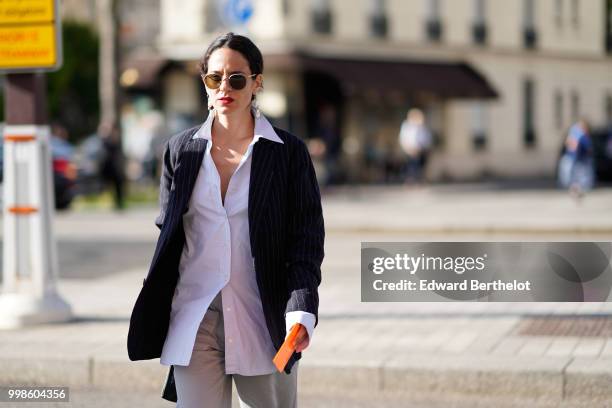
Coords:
pixel 304 318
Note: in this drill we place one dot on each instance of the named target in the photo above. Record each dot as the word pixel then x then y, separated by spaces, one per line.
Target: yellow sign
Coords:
pixel 29 35
pixel 26 11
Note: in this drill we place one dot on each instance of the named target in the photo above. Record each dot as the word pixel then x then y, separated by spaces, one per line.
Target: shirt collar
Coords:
pixel 263 128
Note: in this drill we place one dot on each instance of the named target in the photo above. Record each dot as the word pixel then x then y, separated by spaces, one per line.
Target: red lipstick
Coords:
pixel 226 100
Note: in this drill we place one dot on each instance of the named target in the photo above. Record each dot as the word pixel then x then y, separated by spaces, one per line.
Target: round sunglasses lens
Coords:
pixel 212 81
pixel 237 81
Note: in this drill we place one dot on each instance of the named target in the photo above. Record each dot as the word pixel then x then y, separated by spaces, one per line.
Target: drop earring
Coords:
pixel 210 105
pixel 255 106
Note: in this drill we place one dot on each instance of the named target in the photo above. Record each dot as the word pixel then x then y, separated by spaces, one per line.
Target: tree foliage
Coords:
pixel 73 90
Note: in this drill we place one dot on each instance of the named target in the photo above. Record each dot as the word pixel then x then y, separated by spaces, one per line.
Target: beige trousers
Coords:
pixel 203 383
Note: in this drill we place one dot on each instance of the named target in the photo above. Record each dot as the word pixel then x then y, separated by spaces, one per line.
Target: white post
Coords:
pixel 29 271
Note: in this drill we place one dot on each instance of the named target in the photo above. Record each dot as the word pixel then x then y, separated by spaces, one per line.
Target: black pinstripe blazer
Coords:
pixel 286 234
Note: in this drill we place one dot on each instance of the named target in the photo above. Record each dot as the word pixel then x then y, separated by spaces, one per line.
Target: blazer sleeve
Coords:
pixel 306 234
pixel 165 185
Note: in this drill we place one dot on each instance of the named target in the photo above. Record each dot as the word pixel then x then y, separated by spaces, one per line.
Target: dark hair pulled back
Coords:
pixel 236 42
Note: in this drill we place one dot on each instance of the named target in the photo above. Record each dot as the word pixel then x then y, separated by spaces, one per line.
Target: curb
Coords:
pixel 460 230
pixel 458 376
pixel 538 379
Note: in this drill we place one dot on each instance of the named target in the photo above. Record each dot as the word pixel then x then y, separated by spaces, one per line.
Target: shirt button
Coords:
pixel 229 309
pixel 231 341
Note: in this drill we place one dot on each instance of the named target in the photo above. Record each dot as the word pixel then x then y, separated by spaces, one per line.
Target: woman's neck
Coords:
pixel 229 128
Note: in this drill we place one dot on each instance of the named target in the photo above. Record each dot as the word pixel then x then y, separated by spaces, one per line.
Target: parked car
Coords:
pixel 602 146
pixel 89 158
pixel 64 172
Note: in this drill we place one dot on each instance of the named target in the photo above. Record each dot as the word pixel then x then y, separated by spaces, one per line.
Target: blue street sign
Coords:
pixel 235 12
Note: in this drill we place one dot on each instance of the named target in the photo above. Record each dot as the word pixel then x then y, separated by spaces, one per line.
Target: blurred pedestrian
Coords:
pixel 327 131
pixel 576 166
pixel 112 169
pixel 415 140
pixel 237 264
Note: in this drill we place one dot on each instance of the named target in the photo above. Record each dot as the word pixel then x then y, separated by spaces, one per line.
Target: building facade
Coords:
pixel 500 81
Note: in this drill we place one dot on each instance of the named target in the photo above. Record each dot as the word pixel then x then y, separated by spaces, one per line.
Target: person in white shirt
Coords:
pixel 415 140
pixel 244 199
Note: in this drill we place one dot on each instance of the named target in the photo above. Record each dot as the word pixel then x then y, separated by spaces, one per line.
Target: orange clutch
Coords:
pixel 286 351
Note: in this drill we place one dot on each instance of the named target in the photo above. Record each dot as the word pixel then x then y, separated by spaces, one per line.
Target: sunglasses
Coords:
pixel 236 81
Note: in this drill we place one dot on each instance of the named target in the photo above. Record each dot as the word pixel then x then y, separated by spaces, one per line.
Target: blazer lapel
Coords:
pixel 187 169
pixel 190 157
pixel 262 172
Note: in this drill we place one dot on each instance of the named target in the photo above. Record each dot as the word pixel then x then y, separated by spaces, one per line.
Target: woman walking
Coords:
pixel 237 262
pixel 576 167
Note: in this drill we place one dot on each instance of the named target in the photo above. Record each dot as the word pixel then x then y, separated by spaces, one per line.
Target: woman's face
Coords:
pixel 224 62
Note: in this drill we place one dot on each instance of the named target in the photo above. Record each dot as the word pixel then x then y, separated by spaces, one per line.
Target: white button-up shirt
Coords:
pixel 217 257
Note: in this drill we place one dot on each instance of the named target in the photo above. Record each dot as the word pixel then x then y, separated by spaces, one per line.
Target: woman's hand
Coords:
pixel 301 340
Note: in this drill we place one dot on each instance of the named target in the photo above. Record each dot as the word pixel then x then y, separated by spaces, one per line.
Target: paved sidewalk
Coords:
pixel 439 349
pixel 427 348
pixel 467 208
pixel 470 210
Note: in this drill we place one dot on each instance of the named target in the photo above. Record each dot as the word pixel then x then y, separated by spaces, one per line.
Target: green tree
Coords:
pixel 73 90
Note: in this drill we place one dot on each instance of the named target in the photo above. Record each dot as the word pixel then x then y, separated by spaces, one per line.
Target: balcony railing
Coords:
pixel 529 138
pixel 479 33
pixel 433 30
pixel 321 21
pixel 479 141
pixel 530 38
pixel 379 25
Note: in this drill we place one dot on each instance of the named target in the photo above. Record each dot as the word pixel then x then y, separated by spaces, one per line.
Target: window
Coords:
pixel 529 133
pixel 575 106
pixel 479 127
pixel 575 13
pixel 212 20
pixel 433 9
pixel 559 13
pixel 608 39
pixel 528 13
pixel 479 27
pixel 378 18
pixel 321 16
pixel 529 31
pixel 433 25
pixel 558 104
